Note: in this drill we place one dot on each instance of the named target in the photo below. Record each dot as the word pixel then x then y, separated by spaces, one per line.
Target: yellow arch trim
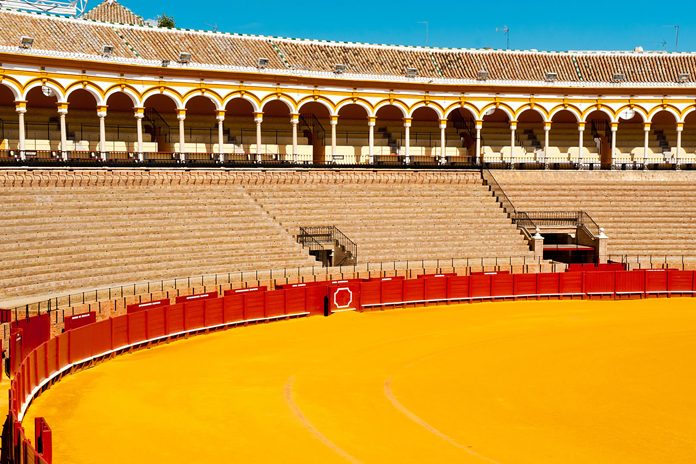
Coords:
pixel 356 101
pixel 39 81
pixel 287 99
pixel 570 108
pixel 317 99
pixel 439 110
pixel 466 105
pixel 211 95
pixel 168 91
pixel 637 108
pixel 392 102
pixel 501 106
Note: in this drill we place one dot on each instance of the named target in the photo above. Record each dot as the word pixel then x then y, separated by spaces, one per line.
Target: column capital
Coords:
pixel 513 124
pixel 258 117
pixel 547 125
pixel 479 124
pixel 371 120
pixel 646 126
pixel 181 114
pixel 62 107
pixel 407 122
pixel 220 115
pixel 680 126
pixel 614 126
pixel 20 104
pixel 581 126
pixel 101 110
pixel 334 119
pixel 139 112
pixel 294 118
pixel 443 123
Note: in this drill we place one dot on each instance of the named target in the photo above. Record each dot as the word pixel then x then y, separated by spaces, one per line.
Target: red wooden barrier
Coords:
pixel 200 296
pixel 101 336
pixel 370 292
pixel 80 343
pixel 414 290
pixel 194 314
pixel 254 305
pixel 119 332
pixel 680 282
pixel 548 284
pixel 214 312
pixel 570 283
pixel 233 307
pixel 248 290
pixel 275 303
pixel 344 295
pixel 480 285
pixel 79 320
pixel 502 285
pixel 295 299
pixel 436 287
pixel 315 299
pixel 457 287
pixel 137 327
pixel 175 318
pixel 525 284
pixel 392 289
pixel 629 283
pixel 134 308
pixel 156 321
pixel 655 281
pixel 599 282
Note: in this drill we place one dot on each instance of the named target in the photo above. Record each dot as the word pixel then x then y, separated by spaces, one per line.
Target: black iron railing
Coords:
pixel 326 238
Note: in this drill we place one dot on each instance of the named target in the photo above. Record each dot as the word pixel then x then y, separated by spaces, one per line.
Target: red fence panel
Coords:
pixel 548 284
pixel 680 281
pixel 249 290
pixel 137 327
pixel 275 303
pixel 570 283
pixel 525 284
pixel 480 285
pixel 295 300
pixel 370 292
pixel 392 289
pixel 502 285
pixel 414 290
pixel 52 356
pixel 119 332
pixel 200 296
pixel 80 343
pixel 344 295
pixel 175 319
pixel 194 314
pixel 233 307
pixel 254 305
pixel 156 321
pixel 315 298
pixel 16 339
pixel 101 337
pixel 79 320
pixel 629 282
pixel 214 312
pixel 655 281
pixel 40 358
pixel 457 287
pixel 599 282
pixel 134 308
pixel 436 287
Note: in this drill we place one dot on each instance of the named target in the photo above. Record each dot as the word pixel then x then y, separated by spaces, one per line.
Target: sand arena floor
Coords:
pixel 520 382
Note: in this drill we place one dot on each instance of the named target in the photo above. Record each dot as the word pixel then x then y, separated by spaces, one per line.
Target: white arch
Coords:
pixel 135 99
pixel 16 93
pixel 326 104
pixel 358 102
pixel 281 98
pixel 90 90
pixel 570 109
pixel 435 108
pixel 167 93
pixel 209 96
pixel 385 103
pixel 60 97
pixel 234 96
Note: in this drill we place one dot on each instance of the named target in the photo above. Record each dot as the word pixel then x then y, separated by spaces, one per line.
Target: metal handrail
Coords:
pixel 333 234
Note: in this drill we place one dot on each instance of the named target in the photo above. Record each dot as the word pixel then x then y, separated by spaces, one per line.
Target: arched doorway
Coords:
pixel 240 129
pixel 201 130
pixel 632 139
pixel 389 133
pixel 598 125
pixel 82 124
pixel 42 123
pixel 533 137
pixel 353 135
pixel 461 136
pixel 565 146
pixel 161 125
pixel 315 124
pixel 665 140
pixel 424 136
pixel 496 138
pixel 277 131
pixel 9 124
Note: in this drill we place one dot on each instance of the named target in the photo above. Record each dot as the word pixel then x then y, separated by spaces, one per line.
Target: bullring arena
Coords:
pixel 261 249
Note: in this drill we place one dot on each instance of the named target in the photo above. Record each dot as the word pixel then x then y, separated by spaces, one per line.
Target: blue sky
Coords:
pixel 544 25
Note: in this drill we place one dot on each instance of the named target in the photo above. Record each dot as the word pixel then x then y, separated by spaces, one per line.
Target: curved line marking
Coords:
pixel 311 428
pixel 413 417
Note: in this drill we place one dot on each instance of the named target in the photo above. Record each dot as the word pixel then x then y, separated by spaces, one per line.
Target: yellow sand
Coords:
pixel 522 382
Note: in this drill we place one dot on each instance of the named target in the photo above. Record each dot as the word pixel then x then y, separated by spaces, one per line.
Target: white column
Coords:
pixel 513 131
pixel 443 141
pixel 547 132
pixel 220 117
pixel 479 126
pixel 334 123
pixel 62 112
pixel 295 122
pixel 646 141
pixel 407 140
pixel 21 108
pixel 680 129
pixel 101 114
pixel 139 115
pixel 614 130
pixel 371 122
pixel 181 116
pixel 258 119
pixel 581 133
